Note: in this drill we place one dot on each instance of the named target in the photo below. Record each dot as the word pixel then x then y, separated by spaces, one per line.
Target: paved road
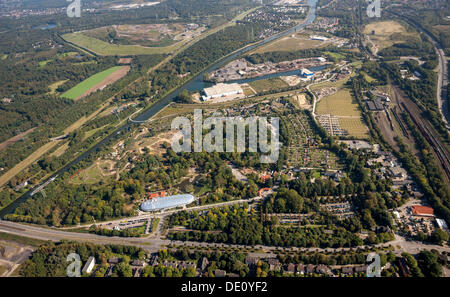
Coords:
pixel 166 213
pixel 155 244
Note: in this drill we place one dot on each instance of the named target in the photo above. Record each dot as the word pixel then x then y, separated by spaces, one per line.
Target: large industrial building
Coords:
pixel 167 202
pixel 306 73
pixel 222 90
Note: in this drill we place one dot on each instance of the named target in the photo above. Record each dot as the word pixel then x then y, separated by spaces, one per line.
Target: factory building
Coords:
pixel 306 73
pixel 222 90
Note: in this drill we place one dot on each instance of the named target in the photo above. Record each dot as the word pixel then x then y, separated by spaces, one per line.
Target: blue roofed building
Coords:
pixel 167 202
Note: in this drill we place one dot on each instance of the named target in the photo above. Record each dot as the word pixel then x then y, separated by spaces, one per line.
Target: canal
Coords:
pixel 195 84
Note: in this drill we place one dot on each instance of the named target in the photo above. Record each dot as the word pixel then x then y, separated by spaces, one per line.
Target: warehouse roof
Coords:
pixel 222 88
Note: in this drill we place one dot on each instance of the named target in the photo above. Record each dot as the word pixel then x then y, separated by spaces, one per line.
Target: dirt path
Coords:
pixel 16 138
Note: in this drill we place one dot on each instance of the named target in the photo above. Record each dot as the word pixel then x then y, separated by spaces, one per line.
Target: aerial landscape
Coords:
pixel 225 139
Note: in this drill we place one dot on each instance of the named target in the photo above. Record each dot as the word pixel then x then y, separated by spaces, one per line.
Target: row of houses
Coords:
pixel 306 269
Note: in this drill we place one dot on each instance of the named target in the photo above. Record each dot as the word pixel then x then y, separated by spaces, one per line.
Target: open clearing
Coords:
pixel 96 82
pixel 149 35
pixel 265 85
pixel 386 33
pixel 342 106
pixel 14 139
pixel 56 85
pixel 99 171
pixel 338 104
pixel 106 49
pixel 298 41
pixel 354 126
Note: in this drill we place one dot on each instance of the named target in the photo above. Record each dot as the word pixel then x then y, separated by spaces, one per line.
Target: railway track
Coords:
pixel 440 151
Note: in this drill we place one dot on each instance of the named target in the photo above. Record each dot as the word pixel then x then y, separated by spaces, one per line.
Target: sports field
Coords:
pixel 89 83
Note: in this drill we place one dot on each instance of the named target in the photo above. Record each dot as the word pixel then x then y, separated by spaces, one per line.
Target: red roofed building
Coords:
pixel 423 211
pixel 265 178
pixel 263 190
pixel 158 194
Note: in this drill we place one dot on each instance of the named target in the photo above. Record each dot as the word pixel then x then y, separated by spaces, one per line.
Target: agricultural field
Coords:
pixel 95 82
pixel 355 127
pixel 338 104
pixel 341 105
pixel 386 33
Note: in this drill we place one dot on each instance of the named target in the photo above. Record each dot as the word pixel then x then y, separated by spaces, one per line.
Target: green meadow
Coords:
pixel 87 84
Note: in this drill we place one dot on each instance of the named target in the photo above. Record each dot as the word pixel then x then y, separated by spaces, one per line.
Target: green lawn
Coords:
pixel 85 85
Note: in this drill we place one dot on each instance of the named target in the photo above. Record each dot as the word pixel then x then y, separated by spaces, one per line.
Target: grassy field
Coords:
pixel 25 163
pixel 338 104
pixel 294 42
pixel 45 148
pixel 60 150
pixel 355 127
pixel 43 63
pixel 56 85
pixel 270 84
pixel 342 105
pixel 337 56
pixel 368 77
pixel 3 269
pixel 386 33
pixel 85 85
pixel 4 56
pixel 91 175
pixel 21 240
pixel 105 49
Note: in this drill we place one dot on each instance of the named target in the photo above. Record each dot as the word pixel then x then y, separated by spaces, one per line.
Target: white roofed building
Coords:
pixel 222 90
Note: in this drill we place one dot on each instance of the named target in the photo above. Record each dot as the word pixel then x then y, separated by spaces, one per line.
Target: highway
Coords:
pixel 155 244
